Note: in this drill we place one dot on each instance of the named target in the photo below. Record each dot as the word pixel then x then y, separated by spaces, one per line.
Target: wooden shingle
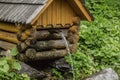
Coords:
pixel 28 11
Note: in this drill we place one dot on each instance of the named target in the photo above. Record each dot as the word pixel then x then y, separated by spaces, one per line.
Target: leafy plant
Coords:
pixel 99 44
pixel 57 74
pixel 9 67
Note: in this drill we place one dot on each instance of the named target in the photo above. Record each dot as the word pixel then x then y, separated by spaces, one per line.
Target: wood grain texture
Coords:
pixel 10 37
pixel 6 45
pixel 8 27
pixel 33 55
pixel 58 12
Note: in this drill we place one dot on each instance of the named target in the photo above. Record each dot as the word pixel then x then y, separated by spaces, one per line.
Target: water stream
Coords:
pixel 70 56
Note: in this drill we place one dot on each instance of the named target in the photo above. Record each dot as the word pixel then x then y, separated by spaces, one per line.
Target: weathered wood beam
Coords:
pixel 8 27
pixel 52 44
pixel 50 34
pixel 57 26
pixel 10 37
pixel 6 45
pixel 33 55
pixel 43 45
pixel 42 34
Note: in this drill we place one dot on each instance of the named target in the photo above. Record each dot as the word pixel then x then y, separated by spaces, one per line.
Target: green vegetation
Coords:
pixel 98 47
pixel 9 67
pixel 99 44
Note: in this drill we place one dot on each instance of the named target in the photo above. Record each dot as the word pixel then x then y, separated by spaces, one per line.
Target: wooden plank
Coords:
pixel 46 6
pixel 6 45
pixel 58 12
pixel 8 27
pixel 10 37
pixel 83 10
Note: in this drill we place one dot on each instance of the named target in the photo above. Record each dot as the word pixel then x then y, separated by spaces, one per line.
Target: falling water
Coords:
pixel 70 56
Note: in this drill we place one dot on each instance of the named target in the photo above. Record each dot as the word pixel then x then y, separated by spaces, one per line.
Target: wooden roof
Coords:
pixel 27 11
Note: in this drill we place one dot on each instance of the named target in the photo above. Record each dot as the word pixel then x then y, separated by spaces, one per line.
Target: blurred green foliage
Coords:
pixel 99 43
pixel 9 67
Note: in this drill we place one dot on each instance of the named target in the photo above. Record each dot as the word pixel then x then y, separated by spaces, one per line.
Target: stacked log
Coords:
pixel 8 39
pixel 39 43
pixel 46 43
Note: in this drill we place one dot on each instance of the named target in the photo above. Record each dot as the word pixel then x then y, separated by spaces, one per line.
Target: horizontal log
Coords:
pixel 6 45
pixel 33 55
pixel 42 34
pixel 50 34
pixel 52 44
pixel 8 27
pixel 9 37
pixel 44 45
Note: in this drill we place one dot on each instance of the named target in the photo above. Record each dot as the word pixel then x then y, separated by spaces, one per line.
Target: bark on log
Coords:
pixel 6 45
pixel 73 34
pixel 73 37
pixel 51 34
pixel 73 48
pixel 10 37
pixel 33 55
pixel 42 34
pixel 44 45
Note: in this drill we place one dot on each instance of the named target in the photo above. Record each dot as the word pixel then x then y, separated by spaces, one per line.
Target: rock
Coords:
pixel 32 72
pixel 106 74
pixel 61 65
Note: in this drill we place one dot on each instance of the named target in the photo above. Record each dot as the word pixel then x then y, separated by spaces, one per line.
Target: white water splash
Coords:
pixel 70 56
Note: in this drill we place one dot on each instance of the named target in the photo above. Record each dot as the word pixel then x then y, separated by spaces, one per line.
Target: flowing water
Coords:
pixel 70 56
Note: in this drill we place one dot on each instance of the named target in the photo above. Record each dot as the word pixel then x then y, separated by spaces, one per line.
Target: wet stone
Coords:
pixel 106 74
pixel 61 65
